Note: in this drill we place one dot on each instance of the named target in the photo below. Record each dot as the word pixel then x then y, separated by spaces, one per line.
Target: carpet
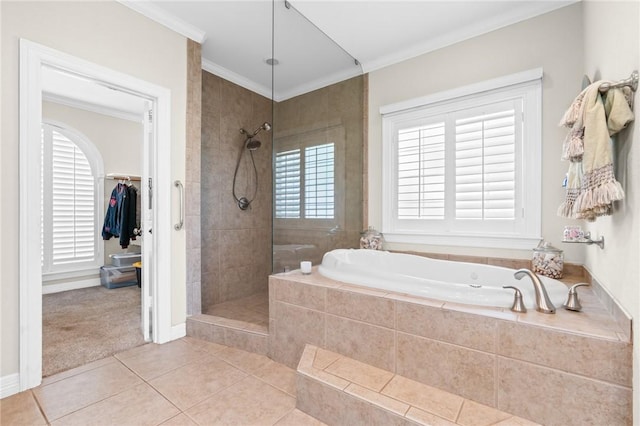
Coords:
pixel 84 325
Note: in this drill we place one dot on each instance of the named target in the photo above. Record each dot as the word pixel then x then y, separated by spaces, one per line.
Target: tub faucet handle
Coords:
pixel 573 302
pixel 518 304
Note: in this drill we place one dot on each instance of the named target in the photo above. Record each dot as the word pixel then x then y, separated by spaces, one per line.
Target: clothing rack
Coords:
pixel 118 176
pixel 631 82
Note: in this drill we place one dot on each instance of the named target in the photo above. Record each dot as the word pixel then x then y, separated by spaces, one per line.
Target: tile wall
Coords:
pixel 578 363
pixel 235 244
pixel 192 176
pixel 331 114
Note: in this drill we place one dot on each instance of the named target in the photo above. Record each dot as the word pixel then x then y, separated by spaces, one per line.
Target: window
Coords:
pixel 463 167
pixel 70 195
pixel 304 183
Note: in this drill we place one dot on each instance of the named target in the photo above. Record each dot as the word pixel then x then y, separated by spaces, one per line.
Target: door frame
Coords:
pixel 32 57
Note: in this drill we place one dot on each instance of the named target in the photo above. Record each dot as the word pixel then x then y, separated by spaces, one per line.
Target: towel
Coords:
pixel 591 184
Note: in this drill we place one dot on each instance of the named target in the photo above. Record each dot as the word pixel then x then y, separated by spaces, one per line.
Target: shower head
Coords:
pixel 252 144
pixel 265 126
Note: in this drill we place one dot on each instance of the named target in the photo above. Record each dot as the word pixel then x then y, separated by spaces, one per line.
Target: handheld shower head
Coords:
pixel 265 126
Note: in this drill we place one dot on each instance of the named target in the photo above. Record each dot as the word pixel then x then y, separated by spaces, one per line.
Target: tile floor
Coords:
pixel 252 309
pixel 185 382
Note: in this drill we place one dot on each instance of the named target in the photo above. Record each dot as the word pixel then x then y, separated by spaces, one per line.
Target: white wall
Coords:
pixel 552 41
pixel 111 35
pixel 612 55
pixel 119 142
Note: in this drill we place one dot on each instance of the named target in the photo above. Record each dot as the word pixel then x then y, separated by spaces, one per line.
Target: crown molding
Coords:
pixel 466 33
pixel 233 77
pixel 91 107
pixel 167 19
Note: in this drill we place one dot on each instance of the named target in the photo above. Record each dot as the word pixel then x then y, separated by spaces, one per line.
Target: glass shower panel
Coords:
pixel 318 118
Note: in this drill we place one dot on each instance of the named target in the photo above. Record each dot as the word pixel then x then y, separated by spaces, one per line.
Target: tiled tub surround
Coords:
pixel 341 391
pixel 567 368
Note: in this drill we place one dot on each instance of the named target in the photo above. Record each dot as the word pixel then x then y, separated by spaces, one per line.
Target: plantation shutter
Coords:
pixel 485 147
pixel 319 182
pixel 73 203
pixel 287 184
pixel 421 172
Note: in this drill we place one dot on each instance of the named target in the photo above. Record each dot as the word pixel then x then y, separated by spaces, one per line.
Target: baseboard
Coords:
pixel 9 385
pixel 71 285
pixel 178 331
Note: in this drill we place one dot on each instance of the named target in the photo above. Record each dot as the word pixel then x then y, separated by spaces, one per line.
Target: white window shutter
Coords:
pixel 287 184
pixel 319 182
pixel 485 147
pixel 421 172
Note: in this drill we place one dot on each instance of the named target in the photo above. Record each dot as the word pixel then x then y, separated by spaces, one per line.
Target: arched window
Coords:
pixel 71 167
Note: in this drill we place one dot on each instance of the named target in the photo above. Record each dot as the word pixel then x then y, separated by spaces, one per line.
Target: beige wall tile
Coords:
pixel 295 327
pixel 465 372
pixel 472 331
pixel 21 409
pixel 363 342
pixel 335 407
pixel 606 360
pixel 424 397
pixel 246 340
pixel 372 309
pixel 307 296
pixel 579 400
pixel 358 372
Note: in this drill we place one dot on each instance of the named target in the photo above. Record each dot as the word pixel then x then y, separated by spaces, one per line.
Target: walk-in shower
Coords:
pixel 250 144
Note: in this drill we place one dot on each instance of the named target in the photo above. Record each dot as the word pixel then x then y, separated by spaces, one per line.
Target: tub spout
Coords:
pixel 543 303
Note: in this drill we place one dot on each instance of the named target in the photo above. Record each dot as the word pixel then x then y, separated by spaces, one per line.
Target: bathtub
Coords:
pixel 459 282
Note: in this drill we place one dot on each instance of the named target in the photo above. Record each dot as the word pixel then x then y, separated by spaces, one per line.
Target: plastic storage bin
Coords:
pixel 117 276
pixel 125 259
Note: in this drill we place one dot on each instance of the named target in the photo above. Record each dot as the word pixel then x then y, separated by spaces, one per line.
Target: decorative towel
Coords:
pixel 591 184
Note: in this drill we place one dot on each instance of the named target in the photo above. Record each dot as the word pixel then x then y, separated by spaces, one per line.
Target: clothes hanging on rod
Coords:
pixel 120 218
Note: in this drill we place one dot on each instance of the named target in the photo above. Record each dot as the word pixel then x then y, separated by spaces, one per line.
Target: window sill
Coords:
pixel 484 241
pixel 84 272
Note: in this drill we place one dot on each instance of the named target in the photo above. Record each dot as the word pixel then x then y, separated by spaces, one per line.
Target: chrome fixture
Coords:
pixel 178 226
pixel 518 304
pixel 587 240
pixel 543 303
pixel 251 145
pixel 573 302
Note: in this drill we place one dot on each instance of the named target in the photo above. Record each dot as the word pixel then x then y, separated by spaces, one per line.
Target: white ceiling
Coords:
pixel 236 35
pixel 315 41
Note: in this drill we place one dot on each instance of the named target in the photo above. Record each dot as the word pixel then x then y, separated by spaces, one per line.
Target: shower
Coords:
pixel 251 145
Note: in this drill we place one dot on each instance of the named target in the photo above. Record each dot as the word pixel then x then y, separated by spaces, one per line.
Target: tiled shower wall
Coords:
pixel 235 244
pixel 334 110
pixel 192 177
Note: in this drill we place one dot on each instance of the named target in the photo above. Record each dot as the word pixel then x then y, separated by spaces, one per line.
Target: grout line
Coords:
pixel 460 410
pixel 44 416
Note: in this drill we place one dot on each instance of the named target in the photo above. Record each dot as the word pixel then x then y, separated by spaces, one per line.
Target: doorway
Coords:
pixel 155 300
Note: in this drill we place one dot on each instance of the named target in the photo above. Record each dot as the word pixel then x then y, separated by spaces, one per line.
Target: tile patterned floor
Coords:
pixel 185 382
pixel 252 309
